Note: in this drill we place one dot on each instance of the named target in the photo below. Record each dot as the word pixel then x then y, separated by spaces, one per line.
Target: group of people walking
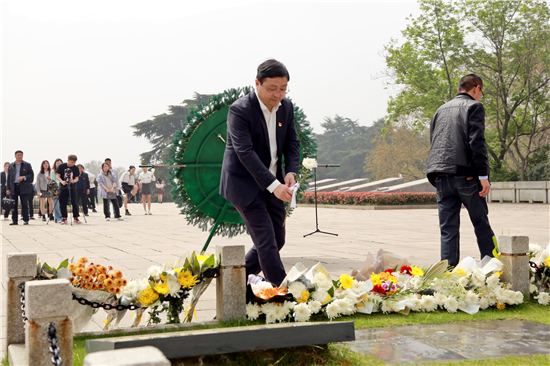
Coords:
pixel 63 182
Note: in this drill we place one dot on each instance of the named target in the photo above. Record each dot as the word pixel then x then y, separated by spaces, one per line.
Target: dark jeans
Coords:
pixel 92 197
pixel 264 219
pixel 16 194
pixel 452 192
pixel 64 199
pixel 83 199
pixel 106 208
pixel 30 197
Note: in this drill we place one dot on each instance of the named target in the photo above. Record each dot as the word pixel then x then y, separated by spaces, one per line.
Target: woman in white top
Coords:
pixel 42 180
pixel 56 207
pixel 127 182
pixel 160 189
pixel 145 179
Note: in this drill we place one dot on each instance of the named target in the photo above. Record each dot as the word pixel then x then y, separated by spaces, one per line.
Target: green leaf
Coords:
pixel 64 264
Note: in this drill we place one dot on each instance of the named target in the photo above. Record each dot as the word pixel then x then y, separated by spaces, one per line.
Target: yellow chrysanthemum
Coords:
pixel 547 261
pixel 385 276
pixel 178 270
pixel 415 271
pixel 375 279
pixel 186 279
pixel 305 297
pixel 501 305
pixel 162 288
pixel 460 272
pixel 148 296
pixel 346 281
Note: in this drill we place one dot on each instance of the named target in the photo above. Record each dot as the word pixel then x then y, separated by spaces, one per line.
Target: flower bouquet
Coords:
pixel 540 273
pixel 199 265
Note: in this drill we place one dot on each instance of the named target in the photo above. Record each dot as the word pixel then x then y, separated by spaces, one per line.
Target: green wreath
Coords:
pixel 199 147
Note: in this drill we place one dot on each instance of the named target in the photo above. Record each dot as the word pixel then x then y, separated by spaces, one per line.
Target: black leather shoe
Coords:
pixel 32 218
pixel 86 215
pixel 94 210
pixel 14 223
pixel 26 223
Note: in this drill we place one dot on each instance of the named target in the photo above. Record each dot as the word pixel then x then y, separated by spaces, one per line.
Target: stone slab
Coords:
pixel 139 356
pixel 230 340
pixel 345 184
pixel 22 265
pixel 432 343
pixel 230 255
pixel 17 354
pixel 533 195
pixel 502 195
pixel 231 293
pixel 47 299
pixel 513 244
pixel 421 185
pixel 532 185
pixel 372 186
pixel 503 185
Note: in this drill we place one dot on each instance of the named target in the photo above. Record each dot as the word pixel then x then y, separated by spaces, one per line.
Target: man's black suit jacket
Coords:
pixel 25 187
pixel 245 169
pixel 3 179
pixel 85 182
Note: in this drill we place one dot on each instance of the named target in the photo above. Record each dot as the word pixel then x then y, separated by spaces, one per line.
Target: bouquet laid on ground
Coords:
pixel 305 173
pixel 164 290
pixel 396 288
pixel 540 273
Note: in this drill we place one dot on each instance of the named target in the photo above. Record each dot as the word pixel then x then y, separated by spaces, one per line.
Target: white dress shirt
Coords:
pixel 271 121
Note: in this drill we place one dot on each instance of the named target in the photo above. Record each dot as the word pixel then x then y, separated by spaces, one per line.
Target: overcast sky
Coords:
pixel 76 75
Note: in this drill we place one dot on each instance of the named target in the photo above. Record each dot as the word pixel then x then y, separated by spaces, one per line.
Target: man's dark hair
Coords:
pixel 469 82
pixel 18 151
pixel 271 69
pixel 130 168
pixel 72 157
pixel 107 159
pixel 80 165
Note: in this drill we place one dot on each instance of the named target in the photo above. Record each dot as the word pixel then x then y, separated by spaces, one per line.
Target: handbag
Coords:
pixel 8 203
pixel 110 195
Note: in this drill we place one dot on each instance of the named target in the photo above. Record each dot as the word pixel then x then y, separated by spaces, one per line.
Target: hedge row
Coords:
pixel 368 198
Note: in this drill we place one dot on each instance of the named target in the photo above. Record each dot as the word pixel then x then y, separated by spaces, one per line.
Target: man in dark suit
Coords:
pixel 83 189
pixel 19 185
pixel 260 131
pixel 4 176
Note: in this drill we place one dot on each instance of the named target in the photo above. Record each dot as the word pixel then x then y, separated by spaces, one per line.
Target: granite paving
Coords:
pixel 141 241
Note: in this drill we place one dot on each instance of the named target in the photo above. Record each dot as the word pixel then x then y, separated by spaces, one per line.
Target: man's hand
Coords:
pixel 290 180
pixel 64 182
pixel 8 192
pixel 283 193
pixel 87 191
pixel 485 187
pixel 21 179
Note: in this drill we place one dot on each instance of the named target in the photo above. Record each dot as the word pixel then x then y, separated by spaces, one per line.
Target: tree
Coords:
pixel 344 142
pixel 401 150
pixel 160 131
pixel 507 43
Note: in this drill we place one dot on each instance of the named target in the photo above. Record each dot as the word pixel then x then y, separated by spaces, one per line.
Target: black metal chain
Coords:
pixel 22 293
pixel 209 273
pixel 96 305
pixel 54 349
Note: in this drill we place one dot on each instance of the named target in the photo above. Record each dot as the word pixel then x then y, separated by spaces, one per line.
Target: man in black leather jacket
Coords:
pixel 458 166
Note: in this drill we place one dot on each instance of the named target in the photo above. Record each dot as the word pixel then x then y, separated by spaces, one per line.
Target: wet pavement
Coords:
pixel 453 341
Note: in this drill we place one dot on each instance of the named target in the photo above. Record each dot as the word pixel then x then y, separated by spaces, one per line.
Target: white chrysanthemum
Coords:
pixel 471 298
pixel 386 306
pixel 173 285
pixel 332 310
pixel 321 296
pixel 288 305
pixel 322 281
pixel 296 288
pixel 440 299
pixel 269 308
pixel 532 288
pixel 543 298
pixel 302 313
pixel 347 306
pixel 309 163
pixel 155 272
pixel 281 313
pixel 493 281
pixel 483 303
pixel 500 294
pixel 359 287
pixel 451 304
pixel 413 303
pixel 252 311
pixel 270 318
pixel 534 248
pixel 142 285
pixel 314 306
pixel 417 281
pixel 428 303
pixel 437 285
pixel 463 281
pixel 130 291
pixel 518 298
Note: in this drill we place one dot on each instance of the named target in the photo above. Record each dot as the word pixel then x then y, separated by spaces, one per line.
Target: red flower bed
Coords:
pixel 368 198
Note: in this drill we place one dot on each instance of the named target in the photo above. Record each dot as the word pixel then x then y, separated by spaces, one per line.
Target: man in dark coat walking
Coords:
pixel 19 186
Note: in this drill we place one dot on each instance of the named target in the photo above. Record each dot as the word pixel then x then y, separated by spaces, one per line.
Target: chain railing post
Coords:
pixel 48 306
pixel 21 268
pixel 231 284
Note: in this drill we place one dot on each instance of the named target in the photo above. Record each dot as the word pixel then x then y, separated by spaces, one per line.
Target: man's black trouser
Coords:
pixel 16 194
pixel 64 199
pixel 83 199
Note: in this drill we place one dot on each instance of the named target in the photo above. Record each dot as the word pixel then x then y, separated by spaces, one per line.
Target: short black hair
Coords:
pixel 80 165
pixel 469 82
pixel 107 159
pixel 271 69
pixel 18 151
pixel 130 168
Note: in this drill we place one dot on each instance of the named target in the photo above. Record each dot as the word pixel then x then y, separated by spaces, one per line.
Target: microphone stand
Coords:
pixel 316 216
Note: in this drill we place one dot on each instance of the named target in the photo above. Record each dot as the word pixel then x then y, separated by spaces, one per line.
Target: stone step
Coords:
pixel 229 340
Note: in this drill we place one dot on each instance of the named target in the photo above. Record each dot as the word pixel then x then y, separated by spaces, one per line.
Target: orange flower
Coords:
pixel 112 289
pixel 80 265
pixel 124 282
pixel 110 268
pixel 101 286
pixel 119 282
pixel 101 278
pixel 83 260
pixel 75 281
pixel 91 269
pixel 117 290
pixel 102 269
pixel 87 277
pixel 118 273
pixel 80 272
pixel 109 282
pixel 268 293
pixel 72 267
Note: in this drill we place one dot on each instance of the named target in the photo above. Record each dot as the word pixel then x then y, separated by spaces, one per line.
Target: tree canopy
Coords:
pixel 507 43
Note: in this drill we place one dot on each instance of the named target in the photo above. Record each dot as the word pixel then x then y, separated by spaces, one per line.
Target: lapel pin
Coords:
pixel 280 124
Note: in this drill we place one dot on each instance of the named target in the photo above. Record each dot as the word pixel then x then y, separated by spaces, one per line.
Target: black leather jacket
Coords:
pixel 457 137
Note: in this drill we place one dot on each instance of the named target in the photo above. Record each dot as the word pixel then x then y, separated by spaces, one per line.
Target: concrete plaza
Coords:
pixel 138 242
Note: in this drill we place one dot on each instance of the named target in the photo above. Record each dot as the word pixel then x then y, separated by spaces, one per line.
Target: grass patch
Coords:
pixel 337 354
